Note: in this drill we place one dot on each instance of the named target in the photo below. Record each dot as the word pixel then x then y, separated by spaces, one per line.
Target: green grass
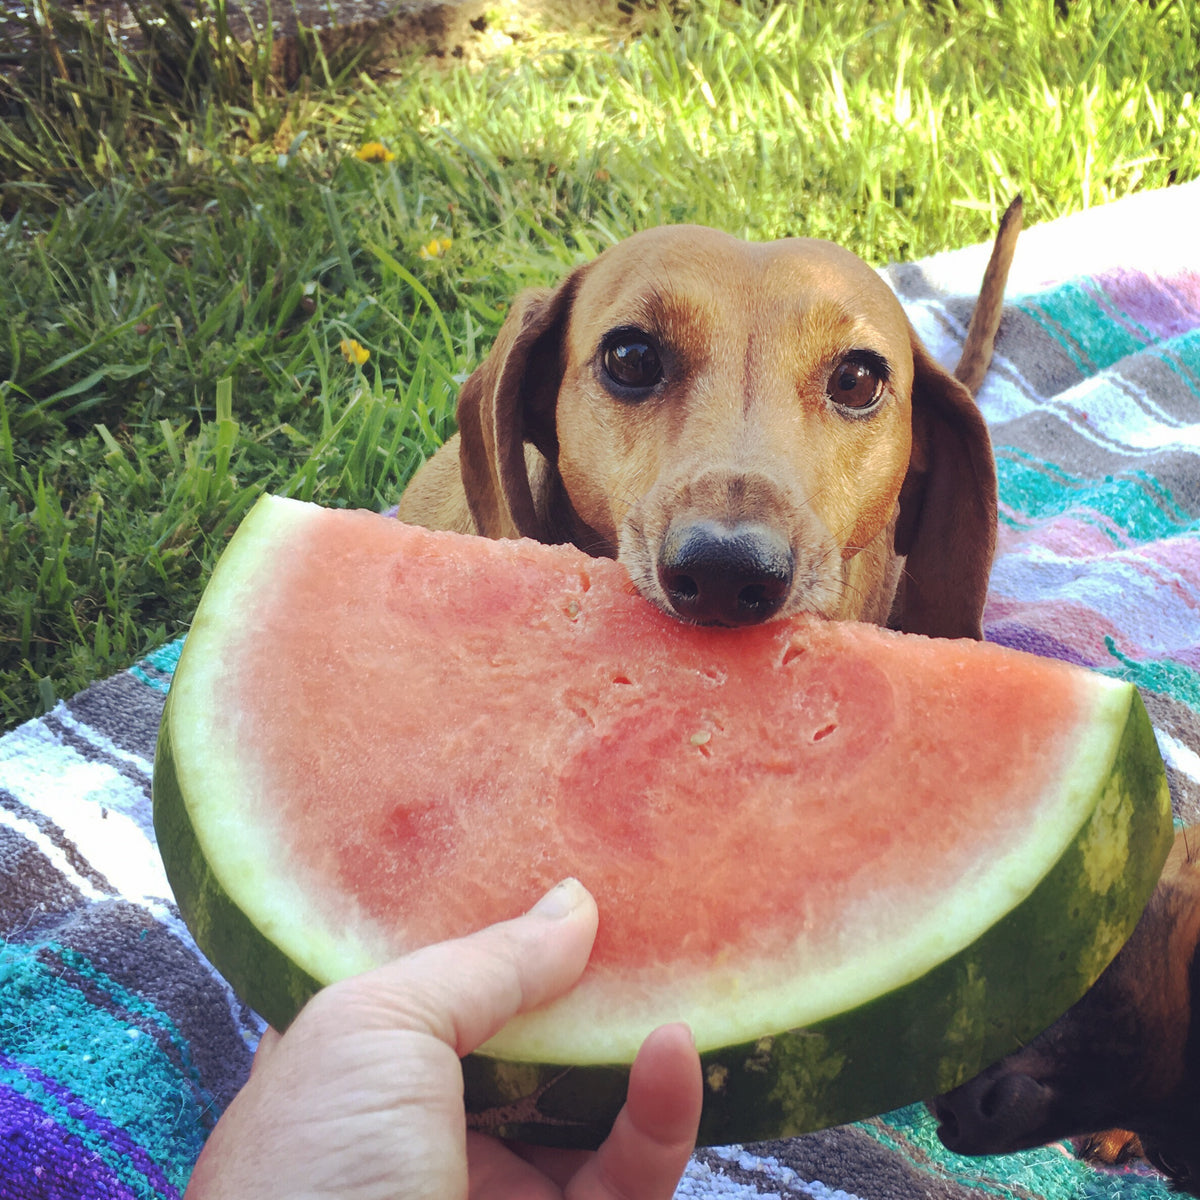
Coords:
pixel 180 264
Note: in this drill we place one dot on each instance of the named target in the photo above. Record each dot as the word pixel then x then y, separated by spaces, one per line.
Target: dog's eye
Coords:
pixel 631 360
pixel 857 382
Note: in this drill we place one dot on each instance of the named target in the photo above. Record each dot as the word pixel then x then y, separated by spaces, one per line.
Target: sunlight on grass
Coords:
pixel 219 286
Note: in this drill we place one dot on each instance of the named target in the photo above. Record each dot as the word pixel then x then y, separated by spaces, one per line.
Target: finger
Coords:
pixel 463 991
pixel 654 1134
pixel 496 1173
pixel 266 1047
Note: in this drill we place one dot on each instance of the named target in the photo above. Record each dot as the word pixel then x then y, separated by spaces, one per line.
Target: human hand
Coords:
pixel 361 1099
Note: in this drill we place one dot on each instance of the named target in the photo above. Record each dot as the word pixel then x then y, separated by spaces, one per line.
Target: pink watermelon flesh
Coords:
pixel 663 752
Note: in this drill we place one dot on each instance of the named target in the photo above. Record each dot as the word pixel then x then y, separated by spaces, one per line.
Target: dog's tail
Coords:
pixel 981 333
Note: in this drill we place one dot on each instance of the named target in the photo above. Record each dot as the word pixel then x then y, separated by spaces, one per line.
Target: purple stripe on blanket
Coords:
pixel 42 1161
pixel 1017 636
pixel 1112 308
pixel 29 1080
pixel 1166 307
pixel 1079 632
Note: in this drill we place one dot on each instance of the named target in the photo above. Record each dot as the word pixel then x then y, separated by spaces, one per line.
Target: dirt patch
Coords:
pixel 385 32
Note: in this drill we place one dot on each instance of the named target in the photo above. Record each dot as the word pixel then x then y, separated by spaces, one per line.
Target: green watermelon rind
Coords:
pixel 911 1043
pixel 260 974
pixel 917 1041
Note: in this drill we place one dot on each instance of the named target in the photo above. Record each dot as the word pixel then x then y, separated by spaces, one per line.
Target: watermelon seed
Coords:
pixel 701 736
pixel 622 679
pixel 821 734
pixel 793 651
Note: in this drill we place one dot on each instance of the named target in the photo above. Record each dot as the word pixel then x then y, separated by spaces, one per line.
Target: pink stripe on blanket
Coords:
pixel 1067 536
pixel 1178 556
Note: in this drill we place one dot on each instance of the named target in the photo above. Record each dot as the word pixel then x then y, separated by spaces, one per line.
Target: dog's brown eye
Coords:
pixel 857 383
pixel 631 360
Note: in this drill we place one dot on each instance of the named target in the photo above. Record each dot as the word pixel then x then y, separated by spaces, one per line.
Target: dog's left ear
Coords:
pixel 947 522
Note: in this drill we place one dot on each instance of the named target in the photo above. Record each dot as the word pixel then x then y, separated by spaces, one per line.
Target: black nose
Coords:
pixel 717 574
pixel 993 1114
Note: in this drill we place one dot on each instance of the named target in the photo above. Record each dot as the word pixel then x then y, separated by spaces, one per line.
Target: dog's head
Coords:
pixel 752 429
pixel 1126 1056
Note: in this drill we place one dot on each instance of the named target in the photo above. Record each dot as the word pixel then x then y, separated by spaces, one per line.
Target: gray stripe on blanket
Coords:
pixel 1026 353
pixel 851 1160
pixel 90 752
pixel 1179 472
pixel 58 839
pixel 122 709
pixel 1172 392
pixel 32 892
pixel 1030 360
pixel 1053 437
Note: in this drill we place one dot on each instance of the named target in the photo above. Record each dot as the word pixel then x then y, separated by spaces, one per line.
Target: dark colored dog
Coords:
pixel 1127 1055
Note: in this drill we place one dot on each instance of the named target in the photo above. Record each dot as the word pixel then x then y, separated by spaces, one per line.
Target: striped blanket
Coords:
pixel 119 1047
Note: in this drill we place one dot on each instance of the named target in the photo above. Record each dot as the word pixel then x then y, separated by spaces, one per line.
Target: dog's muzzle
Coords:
pixel 715 574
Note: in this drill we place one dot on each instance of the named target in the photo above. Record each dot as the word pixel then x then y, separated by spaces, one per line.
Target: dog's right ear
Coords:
pixel 510 400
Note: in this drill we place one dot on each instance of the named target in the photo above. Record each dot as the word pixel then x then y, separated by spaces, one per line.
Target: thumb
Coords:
pixel 463 991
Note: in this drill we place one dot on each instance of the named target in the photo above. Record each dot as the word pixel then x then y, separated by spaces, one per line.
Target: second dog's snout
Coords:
pixel 716 574
pixel 993 1110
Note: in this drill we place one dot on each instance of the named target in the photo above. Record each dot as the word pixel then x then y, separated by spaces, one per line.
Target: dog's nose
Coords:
pixel 991 1114
pixel 715 574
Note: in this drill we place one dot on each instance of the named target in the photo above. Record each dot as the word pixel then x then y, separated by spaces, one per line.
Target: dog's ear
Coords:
pixel 947 522
pixel 510 400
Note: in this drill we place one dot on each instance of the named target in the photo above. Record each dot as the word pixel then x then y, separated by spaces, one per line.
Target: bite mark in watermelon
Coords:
pixel 861 865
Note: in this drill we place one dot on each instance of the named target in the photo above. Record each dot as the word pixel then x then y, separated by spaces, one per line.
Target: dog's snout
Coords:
pixel 992 1114
pixel 715 574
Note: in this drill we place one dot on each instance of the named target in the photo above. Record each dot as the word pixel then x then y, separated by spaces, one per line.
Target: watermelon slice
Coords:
pixel 861 865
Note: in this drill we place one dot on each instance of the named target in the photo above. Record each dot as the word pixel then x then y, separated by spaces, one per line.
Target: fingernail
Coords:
pixel 560 901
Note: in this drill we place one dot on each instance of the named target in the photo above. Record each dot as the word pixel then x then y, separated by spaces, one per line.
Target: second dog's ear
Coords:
pixel 509 400
pixel 947 523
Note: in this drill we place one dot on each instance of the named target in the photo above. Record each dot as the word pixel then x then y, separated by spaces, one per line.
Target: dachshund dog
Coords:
pixel 751 429
pixel 1127 1054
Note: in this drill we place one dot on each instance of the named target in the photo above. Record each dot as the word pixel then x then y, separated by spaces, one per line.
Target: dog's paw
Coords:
pixel 1110 1148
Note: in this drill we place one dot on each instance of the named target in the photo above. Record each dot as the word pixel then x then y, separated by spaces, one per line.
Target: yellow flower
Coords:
pixel 353 352
pixel 436 248
pixel 374 152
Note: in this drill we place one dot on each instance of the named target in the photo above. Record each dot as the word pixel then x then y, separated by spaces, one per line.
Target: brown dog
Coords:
pixel 1128 1054
pixel 752 429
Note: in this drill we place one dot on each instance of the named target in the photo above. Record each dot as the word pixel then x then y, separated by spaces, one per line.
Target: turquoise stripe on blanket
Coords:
pixel 70 1048
pixel 1081 321
pixel 1046 1173
pixel 1182 355
pixel 1131 507
pixel 1174 679
pixel 156 668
